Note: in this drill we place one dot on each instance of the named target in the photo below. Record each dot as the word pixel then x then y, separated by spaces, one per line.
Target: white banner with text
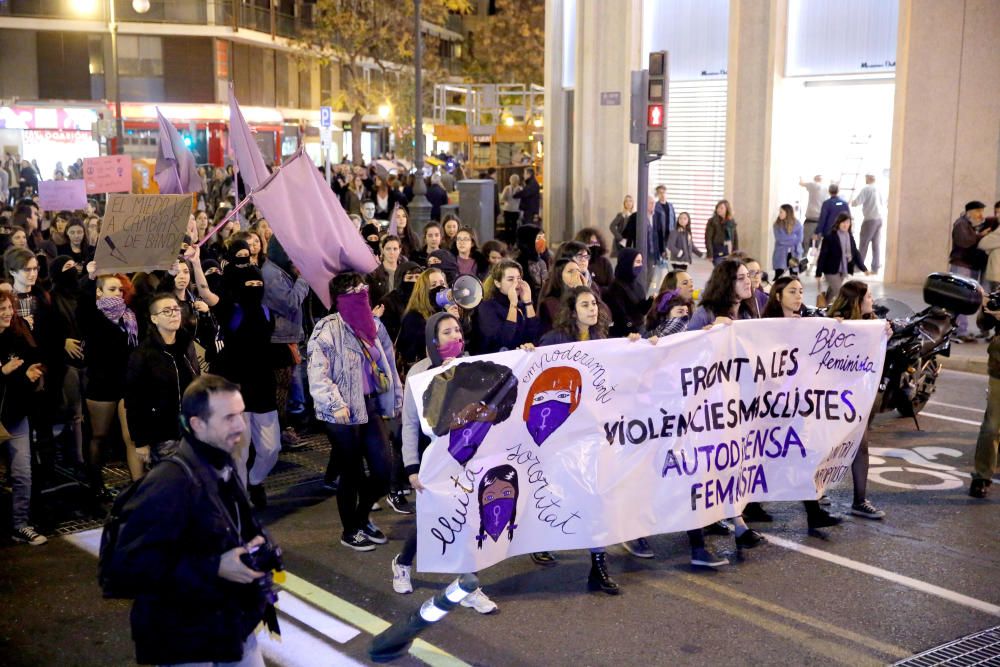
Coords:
pixel 590 444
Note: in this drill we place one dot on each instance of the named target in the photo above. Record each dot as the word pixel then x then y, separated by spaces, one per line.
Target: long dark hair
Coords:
pixel 847 303
pixel 555 286
pixel 720 291
pixel 773 306
pixel 565 320
pixel 501 472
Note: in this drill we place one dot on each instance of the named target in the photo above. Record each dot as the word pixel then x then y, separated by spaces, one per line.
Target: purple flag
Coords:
pixel 176 170
pixel 311 225
pixel 249 162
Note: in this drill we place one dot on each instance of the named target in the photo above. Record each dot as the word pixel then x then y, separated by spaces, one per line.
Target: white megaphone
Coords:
pixel 467 293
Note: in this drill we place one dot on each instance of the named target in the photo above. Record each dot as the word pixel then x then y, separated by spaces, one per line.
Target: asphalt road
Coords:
pixel 871 593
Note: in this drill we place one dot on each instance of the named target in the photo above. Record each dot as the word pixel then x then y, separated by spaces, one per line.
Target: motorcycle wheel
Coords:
pixel 917 388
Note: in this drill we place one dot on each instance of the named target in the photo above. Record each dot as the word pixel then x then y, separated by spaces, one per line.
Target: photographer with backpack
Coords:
pixel 185 545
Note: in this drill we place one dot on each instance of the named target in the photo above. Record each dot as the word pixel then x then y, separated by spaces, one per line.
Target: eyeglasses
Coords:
pixel 166 312
pixel 357 289
pixel 582 255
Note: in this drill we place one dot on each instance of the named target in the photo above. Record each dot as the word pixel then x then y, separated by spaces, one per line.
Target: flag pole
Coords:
pixel 230 216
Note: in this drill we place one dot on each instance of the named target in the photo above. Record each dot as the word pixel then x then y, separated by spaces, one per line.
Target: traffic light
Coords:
pixel 656 102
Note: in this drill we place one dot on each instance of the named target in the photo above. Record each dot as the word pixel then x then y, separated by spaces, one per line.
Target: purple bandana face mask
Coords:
pixel 465 440
pixel 496 515
pixel 545 416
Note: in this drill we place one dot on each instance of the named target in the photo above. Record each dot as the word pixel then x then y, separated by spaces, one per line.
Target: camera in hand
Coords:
pixel 993 301
pixel 265 558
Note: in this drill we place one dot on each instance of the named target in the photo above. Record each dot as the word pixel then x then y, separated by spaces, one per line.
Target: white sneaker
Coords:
pixel 477 600
pixel 401 577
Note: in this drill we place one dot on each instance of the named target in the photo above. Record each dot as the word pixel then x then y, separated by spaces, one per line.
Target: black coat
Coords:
pixel 154 384
pixel 830 254
pixel 438 197
pixel 168 552
pixel 531 200
pixel 19 395
pixel 107 353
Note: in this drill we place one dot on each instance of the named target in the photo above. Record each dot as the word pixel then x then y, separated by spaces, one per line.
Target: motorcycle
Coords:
pixel 912 363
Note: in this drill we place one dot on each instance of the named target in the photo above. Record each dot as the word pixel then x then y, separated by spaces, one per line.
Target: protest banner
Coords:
pixel 142 232
pixel 111 173
pixel 590 444
pixel 62 195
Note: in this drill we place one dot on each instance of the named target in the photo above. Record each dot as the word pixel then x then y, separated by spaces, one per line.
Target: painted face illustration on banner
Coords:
pixel 553 397
pixel 497 503
pixel 468 429
pixel 464 402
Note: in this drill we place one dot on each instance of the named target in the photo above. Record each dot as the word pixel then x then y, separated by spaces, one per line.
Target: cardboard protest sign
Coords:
pixel 111 173
pixel 589 444
pixel 62 195
pixel 142 232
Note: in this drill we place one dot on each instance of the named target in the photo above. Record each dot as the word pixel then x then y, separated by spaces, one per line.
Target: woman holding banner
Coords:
pixel 855 302
pixel 445 341
pixel 786 300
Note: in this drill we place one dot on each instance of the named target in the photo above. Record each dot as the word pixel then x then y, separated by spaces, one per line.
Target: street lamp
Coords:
pixel 89 7
pixel 420 208
pixel 384 111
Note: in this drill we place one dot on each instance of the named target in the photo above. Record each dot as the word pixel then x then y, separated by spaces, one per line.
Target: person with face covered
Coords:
pixel 371 234
pixel 444 342
pixel 247 327
pixel 627 295
pixel 110 333
pixel 355 388
pixel 673 305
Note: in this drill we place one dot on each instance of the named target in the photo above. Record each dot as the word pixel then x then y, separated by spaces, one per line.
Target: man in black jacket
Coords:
pixel 530 196
pixel 179 549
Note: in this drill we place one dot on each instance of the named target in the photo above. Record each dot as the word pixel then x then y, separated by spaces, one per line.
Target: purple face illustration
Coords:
pixel 497 503
pixel 553 397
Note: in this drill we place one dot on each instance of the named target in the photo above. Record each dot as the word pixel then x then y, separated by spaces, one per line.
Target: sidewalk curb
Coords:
pixel 964 365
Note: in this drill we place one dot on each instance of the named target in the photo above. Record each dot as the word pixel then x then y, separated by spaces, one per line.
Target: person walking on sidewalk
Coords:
pixel 871 203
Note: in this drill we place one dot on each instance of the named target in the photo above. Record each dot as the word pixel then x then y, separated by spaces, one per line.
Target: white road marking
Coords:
pixel 296 646
pixel 949 419
pixel 975 375
pixel 888 575
pixel 956 407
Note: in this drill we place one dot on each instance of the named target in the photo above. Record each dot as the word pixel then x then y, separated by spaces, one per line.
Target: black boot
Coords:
pixel 599 579
pixel 818 517
pixel 257 495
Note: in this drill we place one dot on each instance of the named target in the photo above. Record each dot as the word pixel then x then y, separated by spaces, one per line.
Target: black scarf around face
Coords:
pixel 625 275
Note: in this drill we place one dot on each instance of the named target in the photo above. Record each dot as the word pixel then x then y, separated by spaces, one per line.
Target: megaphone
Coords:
pixel 467 293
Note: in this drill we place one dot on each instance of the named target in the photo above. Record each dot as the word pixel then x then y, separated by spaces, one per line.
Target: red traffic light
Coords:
pixel 654 115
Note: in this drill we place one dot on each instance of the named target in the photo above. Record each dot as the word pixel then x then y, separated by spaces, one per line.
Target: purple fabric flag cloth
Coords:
pixel 249 162
pixel 176 170
pixel 312 225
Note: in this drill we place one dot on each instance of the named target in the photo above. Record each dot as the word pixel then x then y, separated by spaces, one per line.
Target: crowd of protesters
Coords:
pixel 90 358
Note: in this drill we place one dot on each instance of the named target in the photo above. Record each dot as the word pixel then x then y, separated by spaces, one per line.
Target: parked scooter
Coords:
pixel 912 362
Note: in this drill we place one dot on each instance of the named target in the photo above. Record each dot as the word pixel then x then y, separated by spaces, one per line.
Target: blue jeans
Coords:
pixel 19 448
pixel 963 320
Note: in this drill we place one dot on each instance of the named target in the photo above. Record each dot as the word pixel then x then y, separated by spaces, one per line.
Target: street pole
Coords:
pixel 119 123
pixel 419 207
pixel 642 218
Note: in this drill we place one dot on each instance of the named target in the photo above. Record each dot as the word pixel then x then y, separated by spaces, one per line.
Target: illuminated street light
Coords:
pixel 509 121
pixel 84 6
pixel 140 6
pixel 384 111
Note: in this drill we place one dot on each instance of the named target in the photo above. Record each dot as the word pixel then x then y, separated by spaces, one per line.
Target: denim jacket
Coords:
pixel 336 367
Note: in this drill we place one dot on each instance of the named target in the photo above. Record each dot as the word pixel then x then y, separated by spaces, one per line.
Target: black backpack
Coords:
pixel 106 575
